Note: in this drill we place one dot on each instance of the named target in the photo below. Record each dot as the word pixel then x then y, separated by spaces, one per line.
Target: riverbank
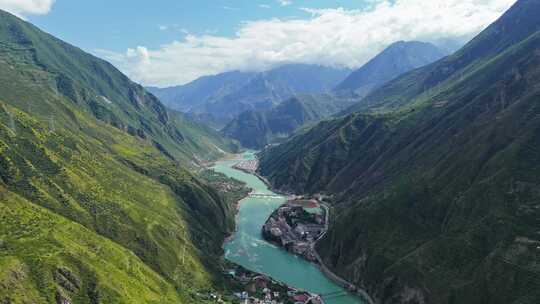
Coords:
pixel 311 254
pixel 295 229
pixel 259 288
pixel 249 286
pixel 250 167
pixel 298 247
pixel 298 231
pixel 249 249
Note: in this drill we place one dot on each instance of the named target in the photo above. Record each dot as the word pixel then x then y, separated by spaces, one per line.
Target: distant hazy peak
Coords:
pixel 398 58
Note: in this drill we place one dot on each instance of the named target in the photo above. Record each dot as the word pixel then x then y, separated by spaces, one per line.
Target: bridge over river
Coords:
pixel 249 249
pixel 334 295
pixel 267 195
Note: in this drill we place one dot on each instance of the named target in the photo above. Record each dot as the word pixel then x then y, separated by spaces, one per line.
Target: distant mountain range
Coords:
pixel 222 97
pixel 398 58
pixel 258 128
pixel 200 91
pixel 434 178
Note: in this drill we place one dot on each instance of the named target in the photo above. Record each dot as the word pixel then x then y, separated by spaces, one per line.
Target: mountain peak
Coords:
pixel 519 22
pixel 396 59
pixel 225 97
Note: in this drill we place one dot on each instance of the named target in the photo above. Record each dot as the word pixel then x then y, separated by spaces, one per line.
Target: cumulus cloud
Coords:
pixel 332 37
pixel 27 7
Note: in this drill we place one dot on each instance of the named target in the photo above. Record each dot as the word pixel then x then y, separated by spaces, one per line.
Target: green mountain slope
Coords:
pixel 256 129
pixel 95 270
pixel 96 201
pixel 96 87
pixel 436 191
pixel 516 25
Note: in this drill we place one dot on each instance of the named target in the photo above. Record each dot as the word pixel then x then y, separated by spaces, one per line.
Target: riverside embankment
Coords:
pixel 249 249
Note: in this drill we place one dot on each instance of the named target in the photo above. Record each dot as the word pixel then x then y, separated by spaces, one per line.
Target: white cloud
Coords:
pixel 264 6
pixel 163 27
pixel 285 2
pixel 333 37
pixel 27 7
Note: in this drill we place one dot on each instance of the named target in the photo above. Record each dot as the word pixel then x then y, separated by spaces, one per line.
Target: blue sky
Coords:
pixel 119 24
pixel 172 42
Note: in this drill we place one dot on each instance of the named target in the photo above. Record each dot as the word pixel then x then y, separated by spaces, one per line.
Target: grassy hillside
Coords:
pixel 92 86
pixel 96 199
pixel 46 257
pixel 436 191
pixel 256 129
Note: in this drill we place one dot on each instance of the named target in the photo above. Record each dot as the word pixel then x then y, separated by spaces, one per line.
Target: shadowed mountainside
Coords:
pixel 435 176
pixel 256 129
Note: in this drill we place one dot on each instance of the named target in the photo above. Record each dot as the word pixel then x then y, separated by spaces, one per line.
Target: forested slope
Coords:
pixel 96 201
pixel 435 177
pixel 256 129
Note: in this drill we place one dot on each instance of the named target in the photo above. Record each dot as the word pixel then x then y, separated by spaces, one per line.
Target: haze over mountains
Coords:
pixel 258 128
pixel 435 176
pixel 396 59
pixel 226 95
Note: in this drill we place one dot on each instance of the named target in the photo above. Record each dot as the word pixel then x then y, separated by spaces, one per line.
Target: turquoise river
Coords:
pixel 248 249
